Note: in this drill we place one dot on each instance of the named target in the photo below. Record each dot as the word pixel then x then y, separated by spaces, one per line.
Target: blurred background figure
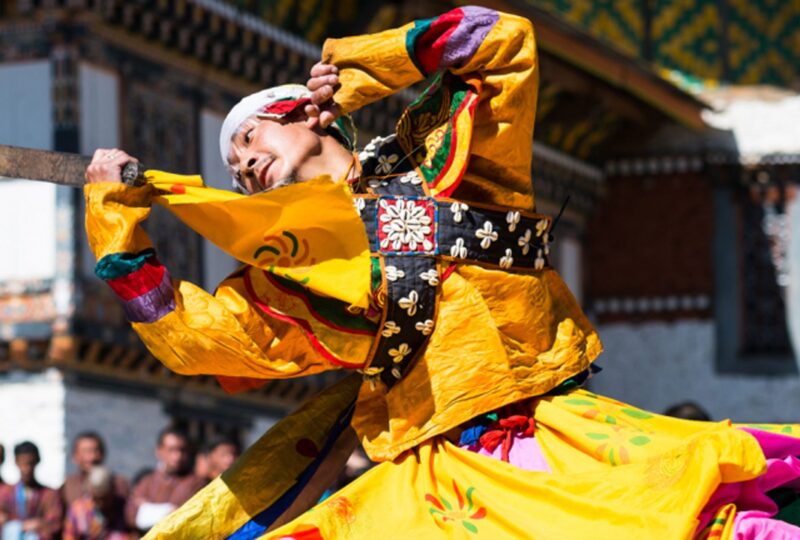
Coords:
pixel 97 514
pixel 688 410
pixel 216 456
pixel 172 483
pixel 29 510
pixel 88 452
pixel 2 460
pixel 357 464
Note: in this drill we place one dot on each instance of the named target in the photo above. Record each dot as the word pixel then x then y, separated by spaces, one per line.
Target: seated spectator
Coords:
pixel 169 486
pixel 2 460
pixel 688 410
pixel 217 456
pixel 28 509
pixel 98 514
pixel 88 451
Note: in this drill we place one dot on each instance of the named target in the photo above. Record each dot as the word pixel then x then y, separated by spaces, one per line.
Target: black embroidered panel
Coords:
pixel 411 284
pixel 452 230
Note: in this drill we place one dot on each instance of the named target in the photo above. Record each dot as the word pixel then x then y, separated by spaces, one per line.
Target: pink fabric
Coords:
pixel 749 527
pixel 755 509
pixel 525 453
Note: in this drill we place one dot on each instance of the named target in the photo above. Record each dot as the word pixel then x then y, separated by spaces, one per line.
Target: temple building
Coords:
pixel 661 239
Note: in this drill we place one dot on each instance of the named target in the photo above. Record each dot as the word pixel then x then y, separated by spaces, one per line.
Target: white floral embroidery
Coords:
pixel 524 242
pixel 369 150
pixel 431 276
pixel 459 250
pixel 411 178
pixel 399 353
pixel 396 372
pixel 386 164
pixel 360 204
pixel 457 209
pixel 409 303
pixel 405 224
pixel 486 234
pixel 393 273
pixel 507 260
pixel 541 226
pixel 512 218
pixel 390 328
pixel 538 264
pixel 374 184
pixel 426 328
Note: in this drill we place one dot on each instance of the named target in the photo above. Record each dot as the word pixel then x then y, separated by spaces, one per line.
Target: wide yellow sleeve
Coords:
pixel 491 52
pixel 186 328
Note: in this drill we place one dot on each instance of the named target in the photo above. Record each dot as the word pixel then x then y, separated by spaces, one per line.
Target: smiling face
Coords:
pixel 267 154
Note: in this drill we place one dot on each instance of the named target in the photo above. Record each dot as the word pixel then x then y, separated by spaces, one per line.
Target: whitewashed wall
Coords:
pixel 27 208
pixel 216 264
pixel 260 426
pixel 99 128
pixel 656 365
pixel 128 424
pixel 31 408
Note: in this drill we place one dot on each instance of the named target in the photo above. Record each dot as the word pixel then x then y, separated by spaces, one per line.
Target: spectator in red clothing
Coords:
pixel 88 451
pixel 29 507
pixel 169 486
pixel 99 514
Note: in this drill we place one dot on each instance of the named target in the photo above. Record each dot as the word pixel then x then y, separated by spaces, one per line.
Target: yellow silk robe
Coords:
pixel 499 337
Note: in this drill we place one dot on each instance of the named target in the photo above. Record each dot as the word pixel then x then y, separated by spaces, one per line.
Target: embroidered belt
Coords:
pixel 409 234
pixel 452 230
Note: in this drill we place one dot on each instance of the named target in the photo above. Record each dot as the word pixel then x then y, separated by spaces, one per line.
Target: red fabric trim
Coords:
pixel 285 107
pixel 316 315
pixel 448 272
pixel 315 343
pixel 140 282
pixel 430 45
pixel 502 432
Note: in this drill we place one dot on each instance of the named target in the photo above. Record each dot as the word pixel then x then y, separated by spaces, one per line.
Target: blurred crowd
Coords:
pixel 95 503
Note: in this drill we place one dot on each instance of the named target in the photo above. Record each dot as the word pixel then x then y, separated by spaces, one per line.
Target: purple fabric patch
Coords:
pixel 468 35
pixel 152 305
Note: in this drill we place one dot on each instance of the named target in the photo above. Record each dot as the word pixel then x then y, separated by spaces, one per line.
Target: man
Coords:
pixel 88 451
pixel 169 486
pixel 217 455
pixel 97 514
pixel 464 335
pixel 2 460
pixel 29 508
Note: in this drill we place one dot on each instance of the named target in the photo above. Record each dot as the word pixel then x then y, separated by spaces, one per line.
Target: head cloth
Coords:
pixel 276 103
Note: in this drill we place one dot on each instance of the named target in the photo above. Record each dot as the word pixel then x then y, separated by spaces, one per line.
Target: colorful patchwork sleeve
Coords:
pixel 186 328
pixel 493 53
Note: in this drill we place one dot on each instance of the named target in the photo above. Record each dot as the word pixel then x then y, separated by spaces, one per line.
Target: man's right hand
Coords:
pixel 323 84
pixel 107 165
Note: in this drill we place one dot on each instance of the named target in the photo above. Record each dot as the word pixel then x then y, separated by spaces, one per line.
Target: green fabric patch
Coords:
pixel 790 513
pixel 420 27
pixel 118 265
pixel 328 309
pixel 376 277
pixel 788 501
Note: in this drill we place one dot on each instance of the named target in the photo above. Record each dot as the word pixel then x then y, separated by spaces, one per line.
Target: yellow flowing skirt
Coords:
pixel 618 472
